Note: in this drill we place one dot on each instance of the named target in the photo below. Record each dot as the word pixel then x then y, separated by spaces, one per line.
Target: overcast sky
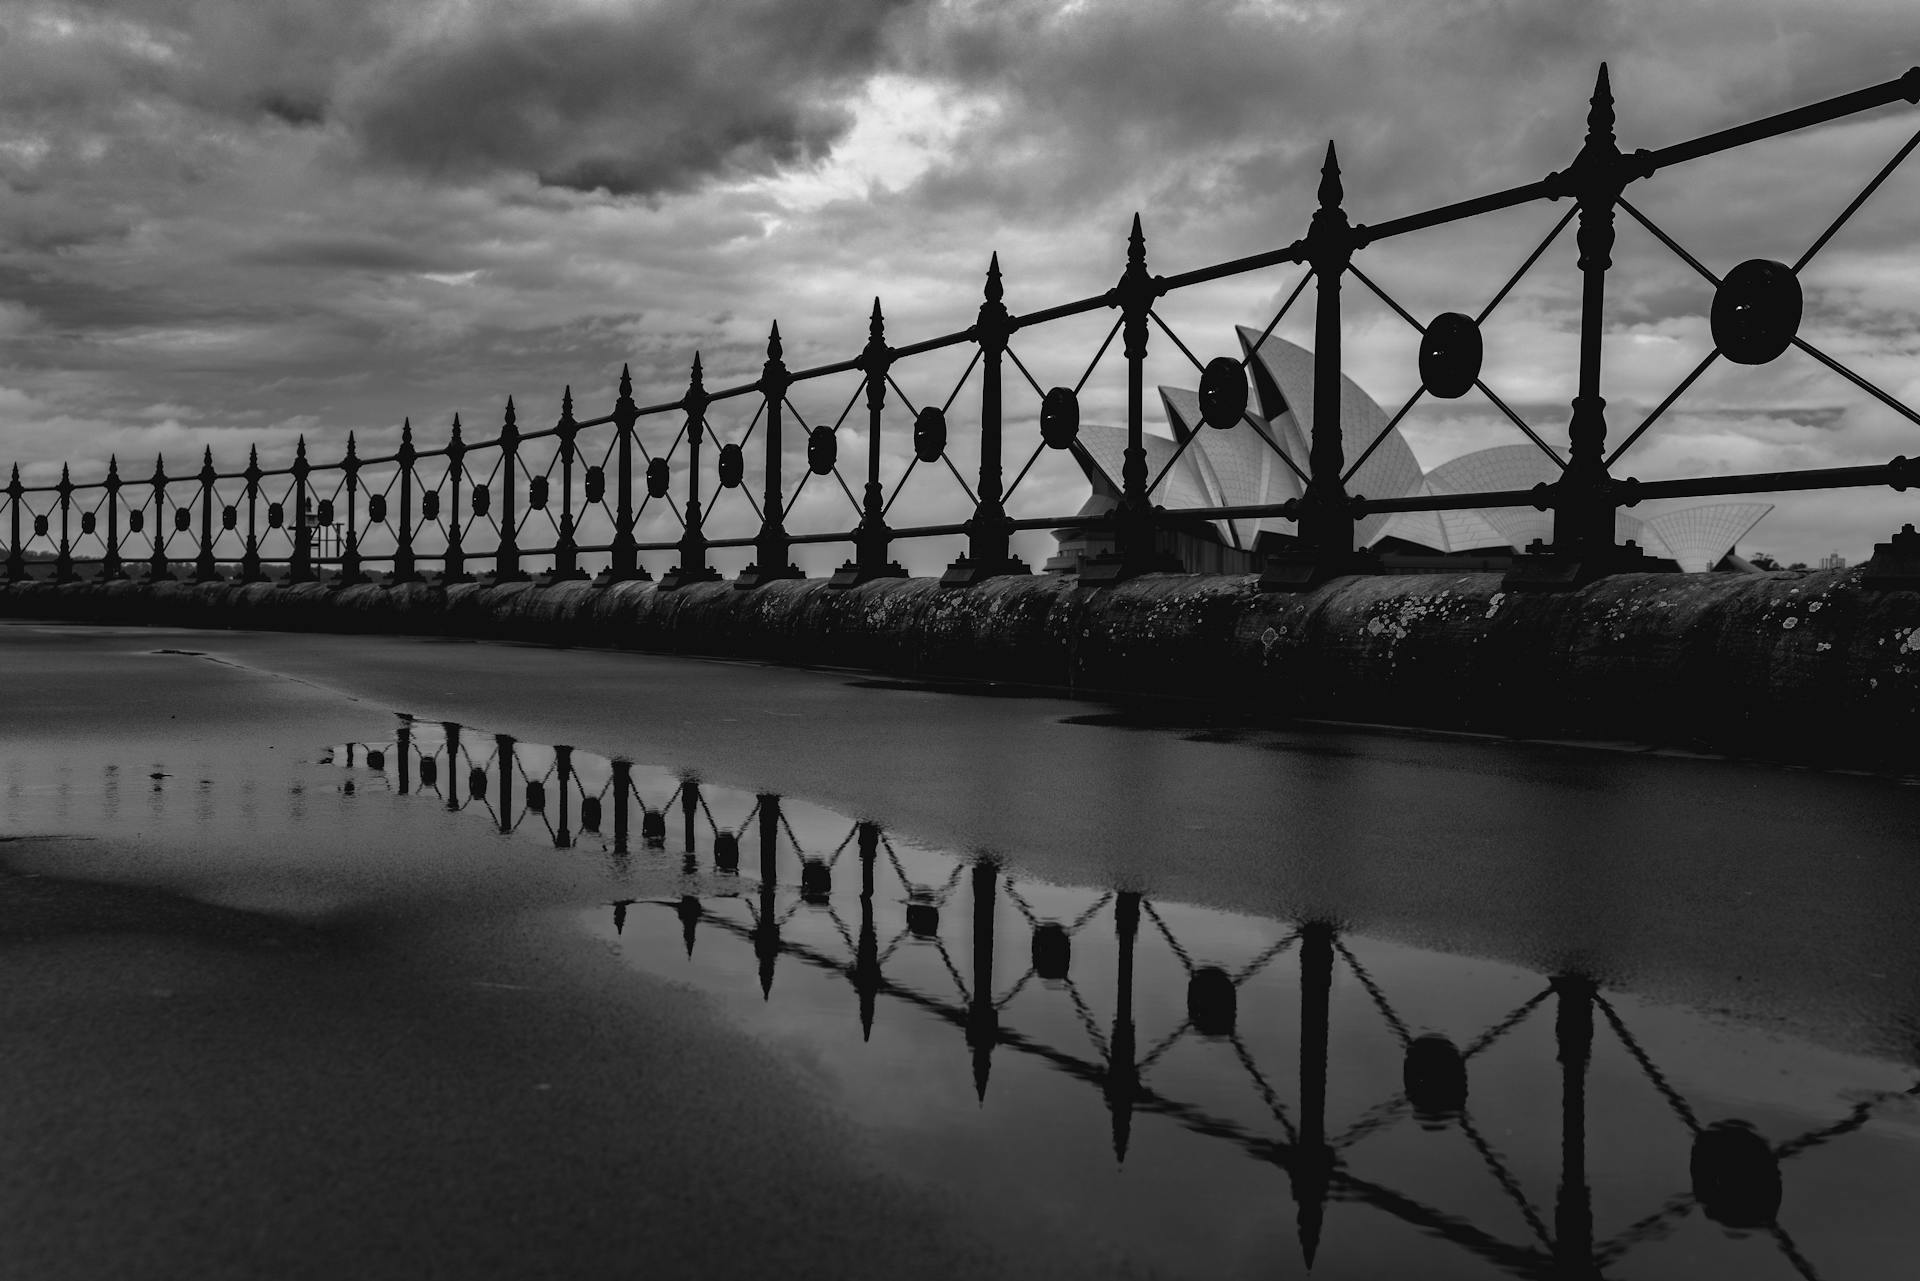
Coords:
pixel 230 223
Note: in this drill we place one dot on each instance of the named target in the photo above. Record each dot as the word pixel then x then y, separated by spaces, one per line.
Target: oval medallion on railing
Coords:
pixel 726 851
pixel 822 450
pixel 229 517
pixel 1212 1001
pixel 276 515
pixel 1052 951
pixel 476 783
pixel 657 477
pixel 39 526
pixel 1060 417
pixel 1756 311
pixel 1450 355
pixel 430 505
pixel 376 759
pixel 536 795
pixel 87 523
pixel 1223 392
pixel 537 493
pixel 1434 1075
pixel 596 490
pixel 590 814
pixel 377 508
pixel 930 434
pixel 136 521
pixel 429 771
pixel 481 501
pixel 182 519
pixel 732 466
pixel 324 512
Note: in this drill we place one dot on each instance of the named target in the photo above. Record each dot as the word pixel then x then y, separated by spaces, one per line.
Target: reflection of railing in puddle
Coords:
pixel 1734 1175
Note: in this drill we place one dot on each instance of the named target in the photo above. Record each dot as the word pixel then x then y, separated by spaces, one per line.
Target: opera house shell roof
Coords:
pixel 1236 468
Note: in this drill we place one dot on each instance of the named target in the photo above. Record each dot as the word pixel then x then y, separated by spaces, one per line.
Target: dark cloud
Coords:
pixel 642 101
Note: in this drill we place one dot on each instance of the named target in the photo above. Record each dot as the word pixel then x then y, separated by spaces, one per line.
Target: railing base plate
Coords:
pixel 679 577
pixel 1303 570
pixel 852 574
pixel 1540 569
pixel 965 572
pixel 753 576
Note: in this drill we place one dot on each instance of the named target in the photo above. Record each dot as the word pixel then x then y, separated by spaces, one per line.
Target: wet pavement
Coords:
pixel 331 956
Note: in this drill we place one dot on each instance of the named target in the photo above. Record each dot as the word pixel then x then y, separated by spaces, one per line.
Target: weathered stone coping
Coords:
pixel 1806 666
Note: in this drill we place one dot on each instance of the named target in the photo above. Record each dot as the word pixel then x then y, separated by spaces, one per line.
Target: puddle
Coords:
pixel 1209 1093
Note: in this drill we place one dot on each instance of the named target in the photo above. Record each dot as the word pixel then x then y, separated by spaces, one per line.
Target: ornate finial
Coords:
pixel 994 291
pixel 696 382
pixel 1331 192
pixel 456 427
pixel 876 324
pixel 406 429
pixel 253 457
pixel 1136 245
pixel 300 448
pixel 208 457
pixel 626 381
pixel 350 445
pixel 510 420
pixel 16 474
pixel 63 470
pixel 566 402
pixel 113 465
pixel 774 349
pixel 1600 113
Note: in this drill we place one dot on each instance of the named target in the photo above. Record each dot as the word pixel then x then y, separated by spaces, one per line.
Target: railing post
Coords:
pixel 766 930
pixel 622 791
pixel 1122 1082
pixel 770 546
pixel 455 568
pixel 63 559
pixel 693 567
pixel 1311 1172
pixel 566 553
pixel 111 567
pixel 16 555
pixel 1136 549
pixel 157 563
pixel 624 563
pixel 1583 497
pixel 404 569
pixel 504 757
pixel 203 570
pixel 507 558
pixel 250 558
pixel 350 555
pixel 1326 511
pixel 300 570
pixel 870 539
pixel 983 1020
pixel 989 540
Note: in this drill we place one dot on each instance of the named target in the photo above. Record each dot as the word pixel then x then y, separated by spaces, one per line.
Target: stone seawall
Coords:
pixel 1805 666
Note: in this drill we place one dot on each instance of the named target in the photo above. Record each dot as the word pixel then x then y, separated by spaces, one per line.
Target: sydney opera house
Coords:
pixel 1237 468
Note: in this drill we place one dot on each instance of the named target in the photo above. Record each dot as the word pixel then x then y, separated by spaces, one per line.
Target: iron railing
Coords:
pixel 518 496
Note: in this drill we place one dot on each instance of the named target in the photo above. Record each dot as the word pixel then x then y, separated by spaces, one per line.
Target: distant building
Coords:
pixel 1833 560
pixel 1237 468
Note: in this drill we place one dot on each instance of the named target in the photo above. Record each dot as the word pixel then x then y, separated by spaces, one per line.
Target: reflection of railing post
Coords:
pixel 111 567
pixel 1573 1209
pixel 157 562
pixel 771 547
pixel 204 571
pixel 403 746
pixel 455 568
pixel 766 931
pixel 16 555
pixel 563 776
pixel 983 1022
pixel 250 557
pixel 622 789
pixel 403 562
pixel 453 764
pixel 693 566
pixel 63 559
pixel 1312 1168
pixel 689 809
pixel 866 957
pixel 1123 1076
pixel 870 539
pixel 989 541
pixel 301 569
pixel 504 758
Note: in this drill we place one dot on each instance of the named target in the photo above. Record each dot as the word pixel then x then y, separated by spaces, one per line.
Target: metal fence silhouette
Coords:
pixel 493 505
